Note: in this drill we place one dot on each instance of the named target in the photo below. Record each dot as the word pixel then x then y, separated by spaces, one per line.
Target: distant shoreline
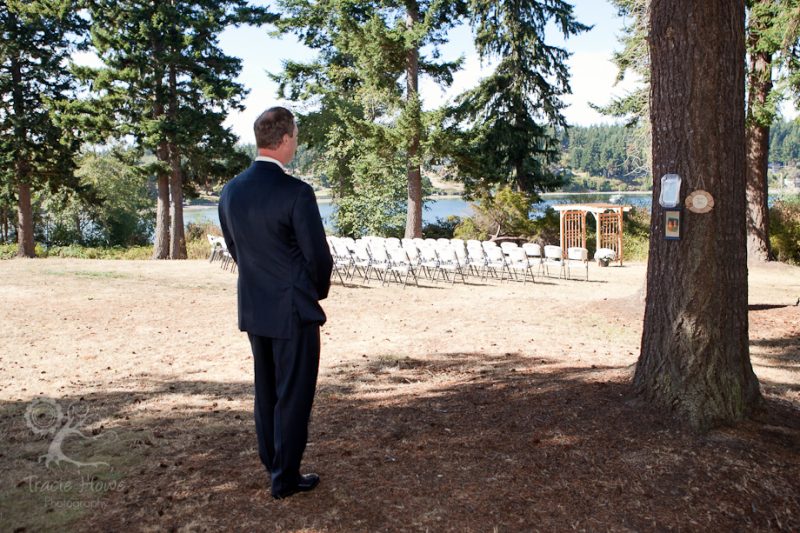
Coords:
pixel 325 200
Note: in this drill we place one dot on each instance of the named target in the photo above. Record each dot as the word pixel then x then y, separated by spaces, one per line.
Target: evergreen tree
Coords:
pixel 769 29
pixel 167 84
pixel 38 136
pixel 773 29
pixel 363 89
pixel 633 59
pixel 504 130
pixel 784 142
pixel 694 360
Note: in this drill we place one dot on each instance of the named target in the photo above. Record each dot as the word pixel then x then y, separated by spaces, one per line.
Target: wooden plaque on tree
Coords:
pixel 699 202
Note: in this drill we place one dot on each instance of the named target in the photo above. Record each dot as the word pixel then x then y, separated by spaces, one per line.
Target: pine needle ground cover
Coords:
pixel 466 408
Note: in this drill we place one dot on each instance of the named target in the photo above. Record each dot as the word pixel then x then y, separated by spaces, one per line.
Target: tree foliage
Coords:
pixel 610 151
pixel 633 60
pixel 38 134
pixel 784 142
pixel 117 211
pixel 363 119
pixel 503 132
pixel 167 84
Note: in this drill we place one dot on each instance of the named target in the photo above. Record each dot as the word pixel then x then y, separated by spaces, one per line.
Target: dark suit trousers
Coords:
pixel 285 381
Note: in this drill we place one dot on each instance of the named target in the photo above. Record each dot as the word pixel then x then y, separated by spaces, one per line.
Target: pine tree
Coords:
pixel 351 90
pixel 773 30
pixel 38 138
pixel 633 59
pixel 694 359
pixel 769 30
pixel 365 85
pixel 167 84
pixel 504 131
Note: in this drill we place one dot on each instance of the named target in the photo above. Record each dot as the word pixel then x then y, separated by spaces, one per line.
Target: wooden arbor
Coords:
pixel 609 225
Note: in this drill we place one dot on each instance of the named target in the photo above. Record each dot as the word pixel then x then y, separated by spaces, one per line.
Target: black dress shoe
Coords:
pixel 307 482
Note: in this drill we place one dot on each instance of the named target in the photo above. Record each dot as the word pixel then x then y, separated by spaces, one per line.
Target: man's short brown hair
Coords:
pixel 272 125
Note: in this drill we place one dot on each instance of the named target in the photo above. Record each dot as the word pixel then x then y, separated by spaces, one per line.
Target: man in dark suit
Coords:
pixel 274 232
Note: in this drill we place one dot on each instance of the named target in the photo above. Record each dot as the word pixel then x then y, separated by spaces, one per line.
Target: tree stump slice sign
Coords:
pixel 699 202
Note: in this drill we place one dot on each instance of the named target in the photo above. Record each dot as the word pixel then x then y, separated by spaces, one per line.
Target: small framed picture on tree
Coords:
pixel 672 224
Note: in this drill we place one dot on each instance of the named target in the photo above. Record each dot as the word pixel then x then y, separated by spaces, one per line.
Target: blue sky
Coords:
pixel 592 73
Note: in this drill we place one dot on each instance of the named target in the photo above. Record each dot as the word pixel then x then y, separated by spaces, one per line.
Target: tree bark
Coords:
pixel 26 246
pixel 178 242
pixel 760 85
pixel 161 246
pixel 694 359
pixel 22 168
pixel 177 232
pixel 414 209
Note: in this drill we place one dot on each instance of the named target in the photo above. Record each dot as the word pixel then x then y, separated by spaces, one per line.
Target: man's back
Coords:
pixel 273 230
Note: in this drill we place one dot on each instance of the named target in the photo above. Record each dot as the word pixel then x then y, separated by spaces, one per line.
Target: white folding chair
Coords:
pixel 518 262
pixel 429 262
pixel 216 247
pixel 379 258
pixel 554 257
pixel 401 265
pixel 496 260
pixel 362 260
pixel 575 256
pixel 392 242
pixel 507 247
pixel 477 259
pixel 534 253
pixel 448 262
pixel 342 259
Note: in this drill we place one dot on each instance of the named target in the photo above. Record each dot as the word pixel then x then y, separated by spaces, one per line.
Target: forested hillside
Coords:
pixel 784 142
pixel 611 152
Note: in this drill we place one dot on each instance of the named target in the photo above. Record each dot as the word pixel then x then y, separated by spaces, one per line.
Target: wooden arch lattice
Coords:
pixel 573 229
pixel 610 232
pixel 609 225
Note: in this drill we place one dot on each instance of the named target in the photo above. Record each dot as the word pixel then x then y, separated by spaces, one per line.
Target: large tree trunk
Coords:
pixel 161 245
pixel 178 243
pixel 414 210
pixel 22 168
pixel 694 359
pixel 26 247
pixel 760 85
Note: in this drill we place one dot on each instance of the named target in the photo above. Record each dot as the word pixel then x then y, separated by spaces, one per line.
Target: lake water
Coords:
pixel 442 208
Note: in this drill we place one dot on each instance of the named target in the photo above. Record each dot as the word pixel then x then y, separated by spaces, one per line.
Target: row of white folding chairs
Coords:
pixel 433 259
pixel 389 260
pixel 448 258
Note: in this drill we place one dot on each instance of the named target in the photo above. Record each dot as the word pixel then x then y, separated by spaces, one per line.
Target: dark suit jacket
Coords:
pixel 272 226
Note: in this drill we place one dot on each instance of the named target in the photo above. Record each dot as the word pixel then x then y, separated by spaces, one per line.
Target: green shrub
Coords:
pixel 136 252
pixel 468 229
pixel 8 251
pixel 547 228
pixel 443 228
pixel 195 231
pixel 197 246
pixel 507 213
pixel 636 235
pixel 784 228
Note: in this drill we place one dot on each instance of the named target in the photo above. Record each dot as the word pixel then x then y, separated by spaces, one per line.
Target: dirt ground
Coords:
pixel 486 407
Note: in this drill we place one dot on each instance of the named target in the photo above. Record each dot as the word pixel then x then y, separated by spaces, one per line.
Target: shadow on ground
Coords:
pixel 455 442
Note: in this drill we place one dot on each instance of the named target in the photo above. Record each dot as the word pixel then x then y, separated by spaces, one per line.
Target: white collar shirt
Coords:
pixel 270 160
